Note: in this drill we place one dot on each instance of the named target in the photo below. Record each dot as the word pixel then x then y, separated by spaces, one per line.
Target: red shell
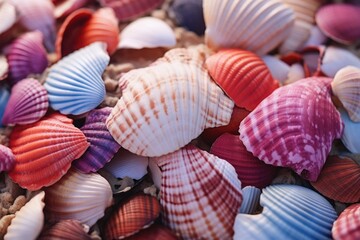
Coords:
pixel 155 231
pixel 347 226
pixel 66 230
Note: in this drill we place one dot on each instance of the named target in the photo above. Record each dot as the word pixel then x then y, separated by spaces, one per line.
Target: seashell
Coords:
pixel 66 230
pixel 126 164
pixel 4 98
pixel 147 32
pixel 165 98
pixel 279 70
pixel 27 55
pixel 155 231
pixel 242 75
pixel 78 196
pixel 4 67
pixel 250 170
pixel 44 151
pixel 102 145
pixel 289 212
pixel 347 88
pixel 136 213
pixel 188 14
pixel 257 26
pixel 7 158
pixel 192 174
pixel 347 226
pixel 126 10
pixel 351 132
pixel 296 73
pixel 28 221
pixel 8 16
pixel 294 127
pixel 340 22
pixel 339 180
pixel 64 8
pixel 74 84
pixel 155 174
pixel 251 198
pixel 316 38
pixel 27 104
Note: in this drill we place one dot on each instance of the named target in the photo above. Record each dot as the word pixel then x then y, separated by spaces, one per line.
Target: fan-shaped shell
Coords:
pixel 27 104
pixel 257 26
pixel 78 196
pixel 347 226
pixel 4 98
pixel 7 158
pixel 339 180
pixel 242 75
pixel 155 231
pixel 147 32
pixel 290 212
pixel 294 127
pixel 27 55
pixel 44 151
pixel 64 8
pixel 164 99
pixel 192 205
pixel 251 198
pixel 74 84
pixel 102 145
pixel 28 221
pixel 66 230
pixel 136 213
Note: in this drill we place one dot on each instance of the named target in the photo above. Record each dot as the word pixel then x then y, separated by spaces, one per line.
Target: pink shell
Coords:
pixel 65 7
pixel 294 127
pixel 155 231
pixel 347 226
pixel 7 158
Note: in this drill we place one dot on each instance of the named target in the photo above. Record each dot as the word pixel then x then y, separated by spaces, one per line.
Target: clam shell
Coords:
pixel 199 212
pixel 163 99
pixel 147 32
pixel 78 196
pixel 251 198
pixel 257 26
pixel 242 75
pixel 7 158
pixel 339 180
pixel 27 104
pixel 279 70
pixel 64 8
pixel 74 84
pixel 250 170
pixel 294 127
pixel 102 145
pixel 289 212
pixel 27 55
pixel 8 16
pixel 347 226
pixel 28 221
pixel 351 132
pixel 136 213
pixel 44 151
pixel 4 98
pixel 66 230
pixel 155 231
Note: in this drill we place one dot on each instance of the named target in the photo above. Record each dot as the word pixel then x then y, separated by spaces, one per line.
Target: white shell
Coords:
pixel 316 38
pixel 7 16
pixel 251 198
pixel 350 136
pixel 296 72
pixel 155 173
pixel 279 69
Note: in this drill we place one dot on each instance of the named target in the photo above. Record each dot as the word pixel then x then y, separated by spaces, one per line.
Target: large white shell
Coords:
pixel 7 16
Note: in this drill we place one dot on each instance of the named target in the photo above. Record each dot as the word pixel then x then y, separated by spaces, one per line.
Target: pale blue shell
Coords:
pixel 350 136
pixel 290 212
pixel 4 98
pixel 250 202
pixel 74 84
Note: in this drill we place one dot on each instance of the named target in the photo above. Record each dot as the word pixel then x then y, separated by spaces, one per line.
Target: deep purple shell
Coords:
pixel 7 158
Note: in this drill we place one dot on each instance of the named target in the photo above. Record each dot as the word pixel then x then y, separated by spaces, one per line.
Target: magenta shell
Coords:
pixel 347 226
pixel 294 127
pixel 7 158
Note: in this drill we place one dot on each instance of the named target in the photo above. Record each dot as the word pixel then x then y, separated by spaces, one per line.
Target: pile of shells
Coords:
pixel 179 119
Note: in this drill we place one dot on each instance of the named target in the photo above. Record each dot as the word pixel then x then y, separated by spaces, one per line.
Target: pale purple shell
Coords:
pixel 294 127
pixel 102 145
pixel 7 158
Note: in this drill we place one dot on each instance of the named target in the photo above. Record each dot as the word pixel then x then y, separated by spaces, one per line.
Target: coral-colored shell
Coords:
pixel 294 127
pixel 155 231
pixel 44 151
pixel 27 104
pixel 350 136
pixel 66 7
pixel 66 230
pixel 339 180
pixel 200 194
pixel 347 226
pixel 136 213
pixel 258 26
pixel 102 145
pixel 4 98
pixel 7 158
pixel 251 198
pixel 165 99
pixel 242 75
pixel 250 170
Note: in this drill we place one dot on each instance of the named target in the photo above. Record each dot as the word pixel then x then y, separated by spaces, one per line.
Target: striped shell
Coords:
pixel 27 104
pixel 347 226
pixel 7 158
pixel 242 75
pixel 164 99
pixel 66 230
pixel 155 231
pixel 44 151
pixel 350 136
pixel 4 98
pixel 74 84
pixel 200 212
pixel 251 198
pixel 294 127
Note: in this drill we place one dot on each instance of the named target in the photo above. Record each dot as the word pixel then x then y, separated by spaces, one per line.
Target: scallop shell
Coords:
pixel 347 226
pixel 290 212
pixel 294 127
pixel 136 213
pixel 155 231
pixel 7 158
pixel 44 151
pixel 64 8
pixel 4 98
pixel 251 198
pixel 74 84
pixel 279 70
pixel 102 145
pixel 163 99
pixel 257 26
pixel 27 104
pixel 27 55
pixel 350 136
pixel 339 180
pixel 8 16
pixel 250 170
pixel 147 32
pixel 78 196
pixel 242 75
pixel 28 221
pixel 346 86
pixel 199 212
pixel 66 230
